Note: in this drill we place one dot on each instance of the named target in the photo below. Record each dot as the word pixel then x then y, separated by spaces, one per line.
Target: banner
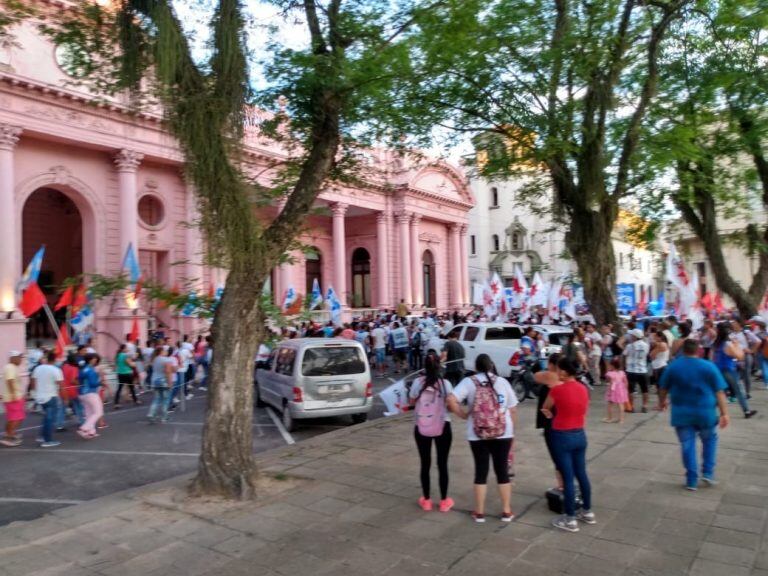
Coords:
pixel 625 297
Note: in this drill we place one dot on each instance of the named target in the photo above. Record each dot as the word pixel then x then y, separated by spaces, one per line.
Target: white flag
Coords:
pixel 317 295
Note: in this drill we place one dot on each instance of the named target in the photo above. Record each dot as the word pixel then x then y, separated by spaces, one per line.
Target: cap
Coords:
pixel 637 333
pixel 14 354
pixel 758 320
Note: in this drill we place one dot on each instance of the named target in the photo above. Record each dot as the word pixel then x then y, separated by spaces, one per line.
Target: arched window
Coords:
pixel 517 243
pixel 494 197
pixel 429 278
pixel 495 242
pixel 314 269
pixel 361 278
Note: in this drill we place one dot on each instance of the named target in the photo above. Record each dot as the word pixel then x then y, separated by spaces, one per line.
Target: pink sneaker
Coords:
pixel 425 503
pixel 446 505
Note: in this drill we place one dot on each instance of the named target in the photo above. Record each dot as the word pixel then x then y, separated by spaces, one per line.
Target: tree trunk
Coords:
pixel 589 241
pixel 226 465
pixel 700 213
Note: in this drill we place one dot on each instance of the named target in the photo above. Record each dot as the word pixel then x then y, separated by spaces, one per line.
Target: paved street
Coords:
pixel 345 502
pixel 129 453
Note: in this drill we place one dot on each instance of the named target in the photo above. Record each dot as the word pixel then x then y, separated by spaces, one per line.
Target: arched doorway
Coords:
pixel 313 268
pixel 428 279
pixel 50 218
pixel 361 278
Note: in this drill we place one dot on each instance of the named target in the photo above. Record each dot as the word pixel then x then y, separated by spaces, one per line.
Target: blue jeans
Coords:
pixel 734 383
pixel 50 413
pixel 763 367
pixel 178 385
pixel 687 436
pixel 160 401
pixel 77 409
pixel 569 448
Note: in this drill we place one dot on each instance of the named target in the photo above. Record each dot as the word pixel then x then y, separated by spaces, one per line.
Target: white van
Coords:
pixel 316 378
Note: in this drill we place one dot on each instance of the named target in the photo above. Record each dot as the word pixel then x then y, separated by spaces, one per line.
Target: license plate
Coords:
pixel 335 389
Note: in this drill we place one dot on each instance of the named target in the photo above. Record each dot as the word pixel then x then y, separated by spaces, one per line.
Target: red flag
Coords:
pixel 65 299
pixel 63 342
pixel 32 300
pixel 211 291
pixel 80 299
pixel 175 290
pixel 719 308
pixel 134 334
pixel 295 308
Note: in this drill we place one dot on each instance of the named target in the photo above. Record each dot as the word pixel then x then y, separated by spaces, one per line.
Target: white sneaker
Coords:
pixel 565 523
pixel 190 396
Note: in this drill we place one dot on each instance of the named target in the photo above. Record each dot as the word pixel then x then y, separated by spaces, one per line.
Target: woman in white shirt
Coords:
pixel 494 449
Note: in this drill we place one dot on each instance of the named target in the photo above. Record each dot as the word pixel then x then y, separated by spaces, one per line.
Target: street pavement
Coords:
pixel 345 503
pixel 129 453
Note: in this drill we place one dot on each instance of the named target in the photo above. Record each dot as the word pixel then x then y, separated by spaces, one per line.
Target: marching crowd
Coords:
pixel 76 388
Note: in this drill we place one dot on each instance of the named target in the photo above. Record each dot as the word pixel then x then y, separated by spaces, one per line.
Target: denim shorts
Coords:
pixel 381 354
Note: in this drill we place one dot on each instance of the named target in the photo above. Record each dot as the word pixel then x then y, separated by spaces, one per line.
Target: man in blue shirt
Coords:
pixel 696 391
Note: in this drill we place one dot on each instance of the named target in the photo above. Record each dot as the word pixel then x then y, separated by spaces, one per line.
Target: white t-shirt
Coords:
pixel 47 378
pixel 379 337
pixel 183 356
pixel 419 382
pixel 506 396
pixel 597 341
pixel 636 354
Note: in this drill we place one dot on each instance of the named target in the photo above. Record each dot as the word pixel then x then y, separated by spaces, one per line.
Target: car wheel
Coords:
pixel 359 418
pixel 257 396
pixel 287 419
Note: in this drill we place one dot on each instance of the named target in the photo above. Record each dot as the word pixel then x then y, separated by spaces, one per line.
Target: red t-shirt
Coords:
pixel 571 401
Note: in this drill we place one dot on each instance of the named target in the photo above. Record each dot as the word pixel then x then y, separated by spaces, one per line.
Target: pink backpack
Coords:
pixel 430 411
pixel 488 419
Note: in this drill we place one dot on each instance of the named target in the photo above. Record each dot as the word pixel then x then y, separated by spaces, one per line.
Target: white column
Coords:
pixel 403 221
pixel 464 266
pixel 9 236
pixel 339 251
pixel 416 279
pixel 127 163
pixel 455 262
pixel 382 260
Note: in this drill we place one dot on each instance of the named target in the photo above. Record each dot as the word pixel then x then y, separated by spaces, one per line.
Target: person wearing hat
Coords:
pixel 13 393
pixel 636 365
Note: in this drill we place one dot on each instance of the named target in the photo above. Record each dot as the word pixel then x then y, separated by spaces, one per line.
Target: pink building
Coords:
pixel 85 177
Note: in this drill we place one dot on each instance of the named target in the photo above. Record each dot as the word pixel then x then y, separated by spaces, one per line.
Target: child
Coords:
pixel 618 391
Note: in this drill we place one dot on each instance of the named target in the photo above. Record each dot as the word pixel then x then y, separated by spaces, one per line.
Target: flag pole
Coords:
pixel 53 322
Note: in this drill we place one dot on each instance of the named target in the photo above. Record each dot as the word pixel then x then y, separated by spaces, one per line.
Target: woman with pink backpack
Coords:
pixel 491 415
pixel 429 395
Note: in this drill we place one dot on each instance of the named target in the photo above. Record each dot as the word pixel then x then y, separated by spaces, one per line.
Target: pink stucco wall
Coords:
pixel 104 160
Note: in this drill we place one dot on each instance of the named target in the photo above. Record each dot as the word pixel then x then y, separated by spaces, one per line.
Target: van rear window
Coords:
pixel 333 361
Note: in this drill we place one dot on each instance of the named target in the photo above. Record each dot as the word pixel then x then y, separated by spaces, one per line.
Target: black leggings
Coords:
pixel 496 450
pixel 443 445
pixel 125 380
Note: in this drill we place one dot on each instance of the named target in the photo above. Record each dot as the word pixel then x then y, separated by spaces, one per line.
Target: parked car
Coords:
pixel 316 378
pixel 555 337
pixel 497 340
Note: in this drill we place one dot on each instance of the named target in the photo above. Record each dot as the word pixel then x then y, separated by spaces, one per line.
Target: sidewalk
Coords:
pixel 345 503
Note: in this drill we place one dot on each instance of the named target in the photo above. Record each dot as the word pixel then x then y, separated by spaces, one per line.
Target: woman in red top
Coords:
pixel 569 444
pixel 69 393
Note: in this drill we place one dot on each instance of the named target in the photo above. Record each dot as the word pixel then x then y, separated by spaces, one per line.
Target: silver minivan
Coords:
pixel 316 378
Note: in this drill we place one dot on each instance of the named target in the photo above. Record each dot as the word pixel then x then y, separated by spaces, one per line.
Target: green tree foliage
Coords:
pixel 561 87
pixel 324 102
pixel 706 144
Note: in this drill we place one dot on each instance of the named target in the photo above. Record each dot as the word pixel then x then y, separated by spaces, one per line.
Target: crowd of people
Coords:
pixel 75 389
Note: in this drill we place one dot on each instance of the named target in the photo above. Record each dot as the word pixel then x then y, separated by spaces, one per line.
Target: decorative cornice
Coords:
pixel 128 160
pixel 9 136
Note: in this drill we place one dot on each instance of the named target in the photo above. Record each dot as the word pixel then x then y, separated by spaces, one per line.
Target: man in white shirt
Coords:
pixel 636 365
pixel 379 340
pixel 45 380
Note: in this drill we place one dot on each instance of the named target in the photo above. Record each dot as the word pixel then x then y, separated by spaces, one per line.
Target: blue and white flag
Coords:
pixel 290 298
pixel 190 307
pixel 317 295
pixel 131 264
pixel 335 305
pixel 32 271
pixel 82 319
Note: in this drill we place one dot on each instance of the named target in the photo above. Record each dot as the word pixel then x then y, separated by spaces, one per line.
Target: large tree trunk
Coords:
pixel 227 468
pixel 589 241
pixel 699 211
